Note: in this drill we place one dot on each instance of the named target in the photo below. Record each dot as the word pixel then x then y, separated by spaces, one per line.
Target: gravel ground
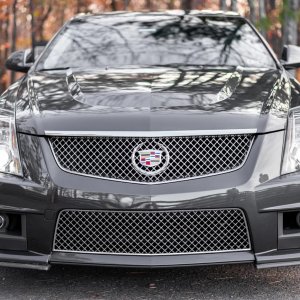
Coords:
pixel 217 282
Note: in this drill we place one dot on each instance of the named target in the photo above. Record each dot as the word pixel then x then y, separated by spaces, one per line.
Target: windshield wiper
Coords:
pixel 54 69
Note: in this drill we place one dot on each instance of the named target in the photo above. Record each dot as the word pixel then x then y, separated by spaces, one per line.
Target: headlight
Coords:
pixel 291 159
pixel 9 152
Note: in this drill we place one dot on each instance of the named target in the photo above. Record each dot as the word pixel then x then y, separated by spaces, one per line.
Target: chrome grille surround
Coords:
pixel 190 156
pixel 151 232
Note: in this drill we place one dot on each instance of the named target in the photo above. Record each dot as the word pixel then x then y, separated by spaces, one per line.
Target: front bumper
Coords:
pixel 257 189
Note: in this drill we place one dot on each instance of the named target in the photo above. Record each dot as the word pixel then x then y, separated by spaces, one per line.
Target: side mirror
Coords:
pixel 20 61
pixel 291 57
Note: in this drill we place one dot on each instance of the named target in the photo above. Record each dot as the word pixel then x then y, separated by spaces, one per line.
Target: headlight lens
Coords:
pixel 291 159
pixel 9 152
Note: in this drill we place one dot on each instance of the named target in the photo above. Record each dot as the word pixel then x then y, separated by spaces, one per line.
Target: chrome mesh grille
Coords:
pixel 189 157
pixel 151 232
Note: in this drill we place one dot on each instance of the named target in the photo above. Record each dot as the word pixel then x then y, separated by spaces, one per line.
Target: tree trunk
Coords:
pixel 171 4
pixel 6 34
pixel 148 5
pixel 4 40
pixel 14 36
pixel 62 14
pixel 126 4
pixel 113 5
pixel 78 9
pixel 290 29
pixel 31 7
pixel 39 26
pixel 234 5
pixel 186 4
pixel 298 33
pixel 223 5
pixel 272 4
pixel 274 38
pixel 252 11
pixel 262 15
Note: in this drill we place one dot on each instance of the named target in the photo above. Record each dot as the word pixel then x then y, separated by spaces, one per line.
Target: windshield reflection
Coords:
pixel 143 40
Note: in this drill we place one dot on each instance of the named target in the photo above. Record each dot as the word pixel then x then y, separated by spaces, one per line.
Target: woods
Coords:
pixel 24 23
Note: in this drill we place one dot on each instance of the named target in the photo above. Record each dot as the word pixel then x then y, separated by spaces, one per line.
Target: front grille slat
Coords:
pixel 151 232
pixel 189 156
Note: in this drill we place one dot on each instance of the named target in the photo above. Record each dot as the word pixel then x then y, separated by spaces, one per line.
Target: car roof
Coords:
pixel 204 13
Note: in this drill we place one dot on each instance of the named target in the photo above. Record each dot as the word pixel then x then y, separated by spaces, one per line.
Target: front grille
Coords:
pixel 151 232
pixel 181 157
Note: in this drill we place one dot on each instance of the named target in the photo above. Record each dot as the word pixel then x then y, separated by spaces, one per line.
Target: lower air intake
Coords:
pixel 151 232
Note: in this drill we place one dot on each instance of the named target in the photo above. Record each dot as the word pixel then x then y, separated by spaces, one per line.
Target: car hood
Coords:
pixel 153 99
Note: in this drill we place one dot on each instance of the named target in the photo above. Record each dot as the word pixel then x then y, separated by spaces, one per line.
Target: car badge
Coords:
pixel 150 161
pixel 150 158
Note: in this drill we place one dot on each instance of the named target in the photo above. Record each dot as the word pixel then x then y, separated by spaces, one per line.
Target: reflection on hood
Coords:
pixel 200 96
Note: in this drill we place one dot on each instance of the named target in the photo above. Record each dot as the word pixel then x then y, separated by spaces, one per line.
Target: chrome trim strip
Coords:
pixel 150 133
pixel 149 183
pixel 161 254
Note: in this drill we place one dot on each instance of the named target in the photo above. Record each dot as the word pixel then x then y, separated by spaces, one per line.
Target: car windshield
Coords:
pixel 156 39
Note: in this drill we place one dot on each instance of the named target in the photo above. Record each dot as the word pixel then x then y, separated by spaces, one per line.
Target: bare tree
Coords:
pixel 6 32
pixel 14 35
pixel 271 4
pixel 171 4
pixel 223 5
pixel 126 4
pixel 31 7
pixel 45 12
pixel 299 34
pixel 114 5
pixel 62 12
pixel 262 15
pixel 149 5
pixel 290 26
pixel 78 9
pixel 4 40
pixel 252 11
pixel 275 39
pixel 186 4
pixel 233 5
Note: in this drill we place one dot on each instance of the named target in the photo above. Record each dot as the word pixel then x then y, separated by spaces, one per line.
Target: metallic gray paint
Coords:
pixel 139 100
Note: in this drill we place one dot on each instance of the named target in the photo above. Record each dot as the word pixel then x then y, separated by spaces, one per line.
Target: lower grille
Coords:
pixel 151 232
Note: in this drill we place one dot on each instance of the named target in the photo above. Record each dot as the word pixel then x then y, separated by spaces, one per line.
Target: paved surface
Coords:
pixel 219 282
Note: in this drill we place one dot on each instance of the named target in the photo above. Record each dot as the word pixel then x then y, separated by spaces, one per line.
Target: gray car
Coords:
pixel 151 140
